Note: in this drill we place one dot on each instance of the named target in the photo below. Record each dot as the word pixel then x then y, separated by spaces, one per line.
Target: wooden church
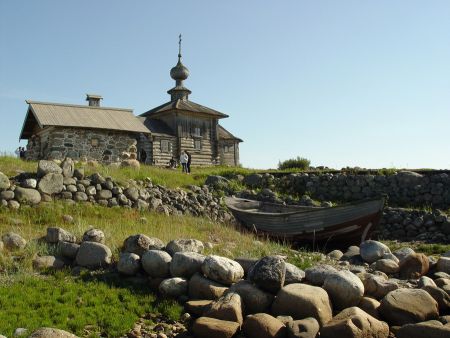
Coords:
pixel 93 132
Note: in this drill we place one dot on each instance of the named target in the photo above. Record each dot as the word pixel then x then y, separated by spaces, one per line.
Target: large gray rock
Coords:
pixel 51 184
pixel 140 243
pixel 402 253
pixel 4 181
pixel 93 255
pixel 254 299
pixel 268 273
pixel 46 332
pixel 253 180
pixel 222 269
pixel 344 288
pixel 27 196
pixel 129 263
pixel 156 263
pixel 68 250
pixel 13 241
pixel 371 250
pixel 203 288
pixel 227 307
pixel 301 301
pixel 303 328
pixel 216 181
pixel 174 287
pixel 132 193
pixel 205 327
pixel 316 275
pixel 377 286
pixel 46 167
pixel 68 167
pixel 293 274
pixel 354 323
pixel 56 234
pixel 263 325
pixel 440 296
pixel 443 264
pixel 94 235
pixel 185 264
pixel 47 263
pixel 180 245
pixel 404 306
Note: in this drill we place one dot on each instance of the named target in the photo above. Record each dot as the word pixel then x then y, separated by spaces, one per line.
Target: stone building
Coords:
pixel 98 133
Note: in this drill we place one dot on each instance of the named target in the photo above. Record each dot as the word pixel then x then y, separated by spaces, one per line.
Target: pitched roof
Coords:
pixel 157 127
pixel 226 135
pixel 184 105
pixel 69 115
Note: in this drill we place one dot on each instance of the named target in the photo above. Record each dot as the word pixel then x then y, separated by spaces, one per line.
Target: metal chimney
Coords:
pixel 94 100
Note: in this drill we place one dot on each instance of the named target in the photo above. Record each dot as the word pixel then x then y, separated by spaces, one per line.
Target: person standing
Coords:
pixel 183 161
pixel 189 160
pixel 17 152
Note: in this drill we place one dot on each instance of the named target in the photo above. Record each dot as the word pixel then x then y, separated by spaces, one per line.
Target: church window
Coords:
pixel 165 146
pixel 197 132
pixel 197 144
pixel 226 148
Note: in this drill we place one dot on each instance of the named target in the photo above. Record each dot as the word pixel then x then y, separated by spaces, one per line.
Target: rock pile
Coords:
pixel 367 291
pixel 53 181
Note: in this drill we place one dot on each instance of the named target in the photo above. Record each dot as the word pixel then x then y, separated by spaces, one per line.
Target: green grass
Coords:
pixel 88 308
pixel 426 248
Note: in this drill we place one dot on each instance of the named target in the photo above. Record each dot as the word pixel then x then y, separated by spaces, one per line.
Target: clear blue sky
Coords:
pixel 358 83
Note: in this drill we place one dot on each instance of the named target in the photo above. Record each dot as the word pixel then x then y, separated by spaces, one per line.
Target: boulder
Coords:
pixel 354 323
pixel 47 167
pixel 68 167
pixel 129 263
pixel 203 288
pixel 4 181
pixel 222 269
pixel 428 329
pixel 205 327
pixel 104 194
pixel 216 181
pixel 372 250
pixel 132 193
pixel 140 243
pixel 377 286
pixel 156 263
pixel 27 196
pixel 93 255
pixel 56 234
pixel 13 241
pixel 303 328
pixel 46 332
pixel 402 253
pixel 47 263
pixel 404 306
pixel 94 235
pixel 29 183
pixel 180 245
pixel 344 288
pixel 443 264
pixel 253 180
pixel 51 184
pixel 370 305
pixel 174 287
pixel 263 325
pixel 68 250
pixel 440 296
pixel 301 301
pixel 227 307
pixel 254 299
pixel 197 307
pixel 268 273
pixel 316 275
pixel 413 266
pixel 293 274
pixel 185 264
pixel 387 266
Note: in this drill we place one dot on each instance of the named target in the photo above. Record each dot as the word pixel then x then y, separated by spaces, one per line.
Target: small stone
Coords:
pixel 29 183
pixel 45 332
pixel 20 332
pixel 335 254
pixel 94 235
pixel 13 241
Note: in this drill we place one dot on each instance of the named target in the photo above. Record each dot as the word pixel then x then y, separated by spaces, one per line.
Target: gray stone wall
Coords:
pixel 89 144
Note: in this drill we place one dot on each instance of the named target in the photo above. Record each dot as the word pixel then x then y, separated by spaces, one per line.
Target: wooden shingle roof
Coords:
pixel 69 115
pixel 184 105
pixel 226 135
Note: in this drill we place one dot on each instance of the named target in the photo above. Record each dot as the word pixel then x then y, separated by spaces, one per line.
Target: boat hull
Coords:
pixel 336 227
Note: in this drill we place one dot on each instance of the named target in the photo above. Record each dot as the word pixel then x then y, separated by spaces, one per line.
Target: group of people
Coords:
pixel 20 152
pixel 185 160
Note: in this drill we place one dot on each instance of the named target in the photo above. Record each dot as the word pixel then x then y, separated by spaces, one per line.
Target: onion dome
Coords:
pixel 179 72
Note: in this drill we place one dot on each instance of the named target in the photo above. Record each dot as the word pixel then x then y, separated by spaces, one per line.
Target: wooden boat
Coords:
pixel 340 226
